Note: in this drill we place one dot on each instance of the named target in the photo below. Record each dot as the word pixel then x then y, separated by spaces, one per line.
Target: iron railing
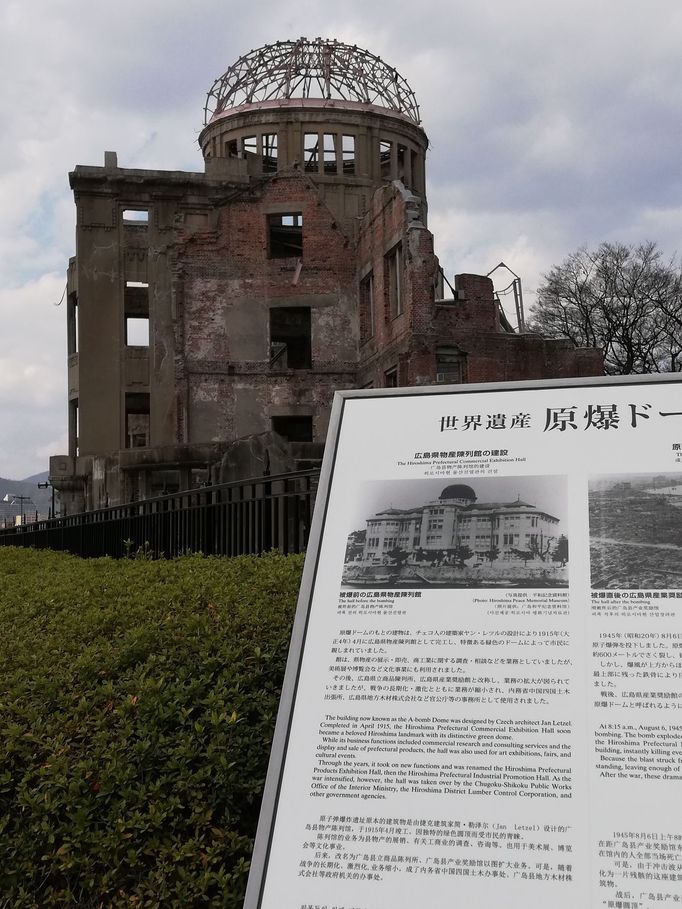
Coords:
pixel 238 518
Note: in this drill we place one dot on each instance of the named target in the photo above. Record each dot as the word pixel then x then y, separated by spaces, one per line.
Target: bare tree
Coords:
pixel 624 300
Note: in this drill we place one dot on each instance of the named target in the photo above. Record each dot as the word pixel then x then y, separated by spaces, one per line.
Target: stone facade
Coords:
pixel 207 307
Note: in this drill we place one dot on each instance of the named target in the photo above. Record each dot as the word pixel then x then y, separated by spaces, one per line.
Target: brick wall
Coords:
pixel 469 325
pixel 230 283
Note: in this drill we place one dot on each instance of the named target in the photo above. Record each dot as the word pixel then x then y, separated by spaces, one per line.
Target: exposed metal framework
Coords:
pixel 306 68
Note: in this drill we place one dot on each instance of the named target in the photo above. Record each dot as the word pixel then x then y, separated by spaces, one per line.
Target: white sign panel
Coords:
pixel 483 705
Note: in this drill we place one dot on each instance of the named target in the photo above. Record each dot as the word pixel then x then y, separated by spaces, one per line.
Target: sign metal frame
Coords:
pixel 290 689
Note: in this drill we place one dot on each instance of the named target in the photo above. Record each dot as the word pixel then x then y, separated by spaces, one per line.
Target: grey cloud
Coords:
pixel 551 125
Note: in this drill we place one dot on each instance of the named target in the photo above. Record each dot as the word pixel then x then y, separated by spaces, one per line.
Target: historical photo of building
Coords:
pixel 636 531
pixel 485 532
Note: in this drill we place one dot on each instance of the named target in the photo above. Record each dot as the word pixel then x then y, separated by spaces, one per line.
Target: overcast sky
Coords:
pixel 552 125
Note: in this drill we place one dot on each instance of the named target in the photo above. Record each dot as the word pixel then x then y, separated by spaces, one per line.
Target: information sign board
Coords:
pixel 483 701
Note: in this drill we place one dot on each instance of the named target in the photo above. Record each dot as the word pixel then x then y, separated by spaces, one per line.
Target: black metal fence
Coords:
pixel 248 516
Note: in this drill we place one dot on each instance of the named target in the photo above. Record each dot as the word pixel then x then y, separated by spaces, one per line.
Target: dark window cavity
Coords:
pixel 290 337
pixel 285 235
pixel 366 307
pixel 269 153
pixel 391 378
pixel 294 428
pixel 137 420
pixel 385 149
pixel 393 281
pixel 72 324
pixel 448 366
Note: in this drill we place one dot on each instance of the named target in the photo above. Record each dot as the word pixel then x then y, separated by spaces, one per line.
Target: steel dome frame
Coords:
pixel 318 68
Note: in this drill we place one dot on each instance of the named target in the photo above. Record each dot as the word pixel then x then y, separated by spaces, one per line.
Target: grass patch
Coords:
pixel 137 705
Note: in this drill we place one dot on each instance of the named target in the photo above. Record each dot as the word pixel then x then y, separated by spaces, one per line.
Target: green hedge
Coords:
pixel 137 704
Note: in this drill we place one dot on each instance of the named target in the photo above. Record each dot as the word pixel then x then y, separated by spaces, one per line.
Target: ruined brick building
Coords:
pixel 207 307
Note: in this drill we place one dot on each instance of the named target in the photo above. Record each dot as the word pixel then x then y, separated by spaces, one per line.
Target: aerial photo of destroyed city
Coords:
pixel 636 531
pixel 485 532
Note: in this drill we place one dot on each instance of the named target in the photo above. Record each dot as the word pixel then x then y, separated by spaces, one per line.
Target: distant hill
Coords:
pixel 40 499
pixel 36 478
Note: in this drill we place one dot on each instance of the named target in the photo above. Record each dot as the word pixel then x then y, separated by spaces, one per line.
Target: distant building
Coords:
pixel 206 308
pixel 456 520
pixel 670 490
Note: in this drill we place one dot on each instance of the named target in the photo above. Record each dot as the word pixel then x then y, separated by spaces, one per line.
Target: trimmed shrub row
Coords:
pixel 137 705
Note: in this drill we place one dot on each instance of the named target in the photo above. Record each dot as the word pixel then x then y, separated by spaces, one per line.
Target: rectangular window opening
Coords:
pixel 269 141
pixel 231 149
pixel 414 167
pixel 366 307
pixel 391 378
pixel 402 162
pixel 448 366
pixel 311 153
pixel 294 428
pixel 393 281
pixel 72 324
pixel 139 216
pixel 136 314
pixel 285 235
pixel 137 419
pixel 165 482
pixel 73 428
pixel 348 152
pixel 290 337
pixel 249 146
pixel 330 153
pixel 385 149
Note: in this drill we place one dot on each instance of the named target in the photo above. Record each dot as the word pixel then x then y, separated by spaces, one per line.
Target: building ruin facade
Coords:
pixel 229 304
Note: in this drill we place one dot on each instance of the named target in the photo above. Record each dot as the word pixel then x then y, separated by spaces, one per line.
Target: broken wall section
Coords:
pixel 266 326
pixel 397 271
pixel 408 337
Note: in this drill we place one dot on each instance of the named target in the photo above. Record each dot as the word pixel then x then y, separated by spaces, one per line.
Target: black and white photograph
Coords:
pixel 480 532
pixel 636 531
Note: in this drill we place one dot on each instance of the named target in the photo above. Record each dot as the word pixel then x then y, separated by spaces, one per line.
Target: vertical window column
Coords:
pixel 330 155
pixel 249 146
pixel 73 428
pixel 385 156
pixel 348 155
pixel 72 324
pixel 136 314
pixel 393 282
pixel 405 166
pixel 391 378
pixel 366 307
pixel 137 420
pixel 269 152
pixel 448 366
pixel 311 153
